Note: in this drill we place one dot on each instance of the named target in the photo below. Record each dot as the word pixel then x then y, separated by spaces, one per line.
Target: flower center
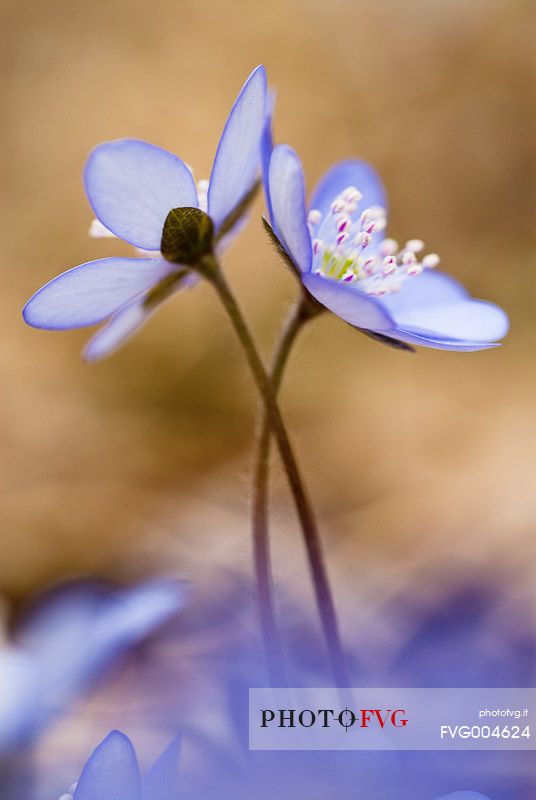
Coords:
pixel 346 247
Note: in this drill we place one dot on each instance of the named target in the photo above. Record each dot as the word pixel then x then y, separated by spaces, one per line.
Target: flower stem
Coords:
pixel 210 269
pixel 302 312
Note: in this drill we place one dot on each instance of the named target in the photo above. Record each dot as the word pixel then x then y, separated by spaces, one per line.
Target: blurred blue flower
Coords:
pixel 341 254
pixel 112 773
pixel 65 645
pixel 132 186
pixel 463 796
pixel 211 696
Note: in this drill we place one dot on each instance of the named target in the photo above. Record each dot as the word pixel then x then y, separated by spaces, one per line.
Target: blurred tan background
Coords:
pixel 421 467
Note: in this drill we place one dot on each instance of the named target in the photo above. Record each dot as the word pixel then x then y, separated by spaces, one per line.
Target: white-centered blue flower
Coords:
pixel 112 773
pixel 340 251
pixel 67 643
pixel 132 186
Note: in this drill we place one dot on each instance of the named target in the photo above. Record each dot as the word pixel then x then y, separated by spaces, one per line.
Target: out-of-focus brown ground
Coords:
pixel 417 464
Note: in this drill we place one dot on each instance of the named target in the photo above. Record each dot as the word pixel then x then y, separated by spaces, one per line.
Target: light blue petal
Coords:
pixel 437 343
pixel 431 287
pixel 267 148
pixel 470 320
pixel 111 773
pixel 437 306
pixel 287 197
pixel 238 156
pixel 159 782
pixel 91 292
pixel 133 185
pixel 138 612
pixel 122 326
pixel 79 631
pixel 21 712
pixel 349 304
pixel 349 173
pixel 125 323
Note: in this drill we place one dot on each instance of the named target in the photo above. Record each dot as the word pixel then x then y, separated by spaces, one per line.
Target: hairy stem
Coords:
pixel 210 269
pixel 299 315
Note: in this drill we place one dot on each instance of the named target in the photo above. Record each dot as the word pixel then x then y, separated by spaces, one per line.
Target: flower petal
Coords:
pixel 431 287
pixel 349 304
pixel 267 146
pixel 435 305
pixel 126 322
pixel 287 198
pixel 111 773
pixel 81 629
pixel 238 155
pixel 89 293
pixel 159 781
pixel 121 327
pixel 21 713
pixel 349 173
pixel 437 343
pixel 463 796
pixel 133 185
pixel 470 320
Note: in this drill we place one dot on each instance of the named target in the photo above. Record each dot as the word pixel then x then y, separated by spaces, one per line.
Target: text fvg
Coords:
pixel 325 717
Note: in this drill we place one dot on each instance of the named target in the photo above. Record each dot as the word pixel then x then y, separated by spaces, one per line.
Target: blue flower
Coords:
pixel 67 642
pixel 112 773
pixel 132 186
pixel 463 796
pixel 340 251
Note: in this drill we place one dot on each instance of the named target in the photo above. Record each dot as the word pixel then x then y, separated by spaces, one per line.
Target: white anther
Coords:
pixel 389 247
pixel 318 246
pixel 389 265
pixel 369 265
pixel 341 238
pixel 431 260
pixel 202 186
pixel 377 211
pixel 314 216
pixel 351 194
pixel 338 206
pixel 362 239
pixel 99 231
pixel 415 245
pixel 409 257
pixel 376 290
pixel 365 217
pixel 414 269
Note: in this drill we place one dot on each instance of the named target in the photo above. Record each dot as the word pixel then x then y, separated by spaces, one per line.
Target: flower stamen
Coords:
pixel 343 237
